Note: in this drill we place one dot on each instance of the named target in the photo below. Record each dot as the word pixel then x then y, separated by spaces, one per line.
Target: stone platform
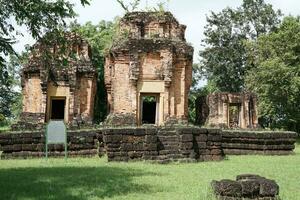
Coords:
pixel 159 144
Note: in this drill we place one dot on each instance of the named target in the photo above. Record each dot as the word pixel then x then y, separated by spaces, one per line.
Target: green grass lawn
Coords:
pixel 95 178
pixel 4 128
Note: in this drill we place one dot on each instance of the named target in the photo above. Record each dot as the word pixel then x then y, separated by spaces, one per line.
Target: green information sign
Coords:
pixel 56 133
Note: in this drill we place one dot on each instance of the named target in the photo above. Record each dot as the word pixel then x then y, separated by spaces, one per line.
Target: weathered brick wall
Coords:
pixel 41 81
pixel 151 67
pixel 154 52
pixel 32 93
pixel 163 144
pixel 215 110
pixel 86 93
pixel 152 25
pixel 188 144
pixel 32 144
pixel 255 142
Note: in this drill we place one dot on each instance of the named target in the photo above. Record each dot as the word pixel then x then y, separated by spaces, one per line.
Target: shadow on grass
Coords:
pixel 298 140
pixel 70 183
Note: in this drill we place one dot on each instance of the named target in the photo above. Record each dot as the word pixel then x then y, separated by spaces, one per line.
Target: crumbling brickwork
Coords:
pixel 27 144
pixel 160 144
pixel 246 186
pixel 151 58
pixel 258 142
pixel 227 110
pixel 62 72
pixel 163 145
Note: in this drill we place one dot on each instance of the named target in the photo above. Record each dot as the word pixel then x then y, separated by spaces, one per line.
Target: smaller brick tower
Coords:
pixel 148 71
pixel 57 83
pixel 227 110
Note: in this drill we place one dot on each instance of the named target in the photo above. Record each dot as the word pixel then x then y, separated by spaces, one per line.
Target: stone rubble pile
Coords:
pixel 246 187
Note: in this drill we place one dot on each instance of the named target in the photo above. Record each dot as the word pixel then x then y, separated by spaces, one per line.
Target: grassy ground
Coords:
pixel 94 178
pixel 4 128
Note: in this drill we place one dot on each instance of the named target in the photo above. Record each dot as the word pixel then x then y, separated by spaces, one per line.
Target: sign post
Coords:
pixel 56 133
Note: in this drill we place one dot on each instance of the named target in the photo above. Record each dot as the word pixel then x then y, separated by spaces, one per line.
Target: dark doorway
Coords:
pixel 149 109
pixel 234 115
pixel 58 108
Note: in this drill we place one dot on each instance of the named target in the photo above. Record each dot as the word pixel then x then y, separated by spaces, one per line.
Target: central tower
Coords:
pixel 148 71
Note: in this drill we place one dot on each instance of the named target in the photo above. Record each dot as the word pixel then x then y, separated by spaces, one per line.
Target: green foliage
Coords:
pixel 2 120
pixel 6 94
pixel 12 97
pixel 100 38
pixel 192 107
pixel 161 7
pixel 276 79
pixel 9 89
pixel 224 58
pixel 196 92
pixel 3 128
pixel 149 99
pixel 39 16
pixel 133 5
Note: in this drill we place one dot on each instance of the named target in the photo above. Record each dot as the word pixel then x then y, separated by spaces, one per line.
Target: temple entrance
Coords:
pixel 58 108
pixel 149 109
pixel 234 115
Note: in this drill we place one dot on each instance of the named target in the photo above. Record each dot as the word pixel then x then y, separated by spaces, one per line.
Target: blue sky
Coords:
pixel 189 12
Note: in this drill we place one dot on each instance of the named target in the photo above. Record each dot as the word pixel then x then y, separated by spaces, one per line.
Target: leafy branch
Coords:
pixel 132 6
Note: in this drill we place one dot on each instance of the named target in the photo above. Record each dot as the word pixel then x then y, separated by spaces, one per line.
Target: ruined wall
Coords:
pixel 152 25
pixel 258 142
pixel 86 94
pixel 182 83
pixel 163 145
pixel 123 89
pixel 217 110
pixel 32 94
pixel 32 144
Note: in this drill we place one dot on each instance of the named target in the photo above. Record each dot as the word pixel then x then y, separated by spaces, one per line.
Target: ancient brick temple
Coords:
pixel 148 71
pixel 59 82
pixel 227 110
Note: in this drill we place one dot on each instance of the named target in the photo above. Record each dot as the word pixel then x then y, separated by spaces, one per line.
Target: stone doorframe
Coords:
pixel 49 110
pixel 240 109
pixel 155 88
pixel 157 111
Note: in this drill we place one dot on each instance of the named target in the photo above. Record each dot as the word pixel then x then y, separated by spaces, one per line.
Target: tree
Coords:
pixel 100 38
pixel 196 92
pixel 276 77
pixel 39 17
pixel 9 95
pixel 224 59
pixel 6 94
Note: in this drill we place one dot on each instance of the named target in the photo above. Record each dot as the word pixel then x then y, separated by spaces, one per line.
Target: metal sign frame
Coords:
pixel 65 143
